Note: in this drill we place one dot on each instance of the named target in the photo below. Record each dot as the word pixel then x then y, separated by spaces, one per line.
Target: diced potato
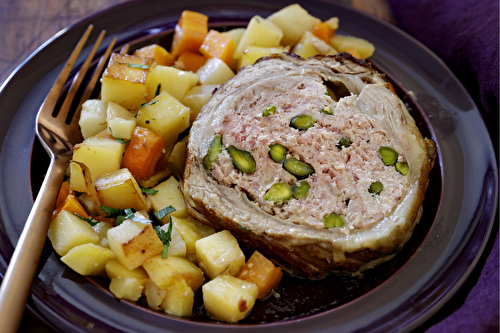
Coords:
pixel 204 229
pixel 252 53
pixel 188 231
pixel 259 32
pixel 177 158
pixel 92 117
pixel 343 43
pixel 100 155
pixel 215 71
pixel 87 259
pixel 197 97
pixel 119 189
pixel 177 245
pixel 67 231
pixel 219 254
pixel 154 294
pixel 157 52
pixel 102 230
pixel 179 299
pixel 168 195
pixel 124 80
pixel 293 20
pixel 133 243
pixel 236 35
pixel 129 288
pixel 154 179
pixel 174 81
pixel 164 272
pixel 116 270
pixel 310 45
pixel 262 272
pixel 120 121
pixel 166 116
pixel 228 298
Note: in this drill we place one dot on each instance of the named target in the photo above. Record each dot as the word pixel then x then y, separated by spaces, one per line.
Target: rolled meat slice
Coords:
pixel 315 163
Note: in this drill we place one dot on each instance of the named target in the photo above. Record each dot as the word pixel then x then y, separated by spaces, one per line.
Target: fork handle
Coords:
pixel 16 285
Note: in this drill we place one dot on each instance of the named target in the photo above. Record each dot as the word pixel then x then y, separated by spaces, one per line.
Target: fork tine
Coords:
pixel 77 80
pixel 50 101
pixel 91 85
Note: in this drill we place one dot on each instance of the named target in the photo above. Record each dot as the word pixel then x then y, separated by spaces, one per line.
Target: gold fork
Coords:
pixel 58 132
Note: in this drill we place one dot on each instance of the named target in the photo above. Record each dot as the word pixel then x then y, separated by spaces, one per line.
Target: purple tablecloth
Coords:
pixel 465 34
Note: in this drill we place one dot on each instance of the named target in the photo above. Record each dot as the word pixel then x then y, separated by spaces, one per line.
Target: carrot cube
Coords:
pixel 71 204
pixel 217 45
pixel 262 272
pixel 63 193
pixel 158 53
pixel 190 61
pixel 143 153
pixel 324 31
pixel 190 31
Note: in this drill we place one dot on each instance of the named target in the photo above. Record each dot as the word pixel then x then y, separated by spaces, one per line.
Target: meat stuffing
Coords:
pixel 314 162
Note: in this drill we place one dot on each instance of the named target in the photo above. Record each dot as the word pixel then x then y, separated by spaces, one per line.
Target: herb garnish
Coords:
pixel 165 237
pixel 148 190
pixel 89 221
pixel 132 65
pixel 120 140
pixel 144 104
pixel 158 88
pixel 123 214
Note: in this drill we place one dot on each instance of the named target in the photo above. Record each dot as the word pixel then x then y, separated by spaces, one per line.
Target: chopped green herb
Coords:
pixel 165 237
pixel 147 104
pixel 132 65
pixel 158 89
pixel 112 212
pixel 123 214
pixel 89 221
pixel 243 228
pixel 164 212
pixel 148 190
pixel 120 140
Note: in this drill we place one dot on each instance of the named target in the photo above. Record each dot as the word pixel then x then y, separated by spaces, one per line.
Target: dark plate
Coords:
pixel 399 295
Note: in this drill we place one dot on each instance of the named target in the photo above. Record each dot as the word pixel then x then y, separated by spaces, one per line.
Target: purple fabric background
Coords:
pixel 465 34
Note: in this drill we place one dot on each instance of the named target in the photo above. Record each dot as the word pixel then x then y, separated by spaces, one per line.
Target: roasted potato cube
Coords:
pixel 154 294
pixel 177 246
pixel 168 195
pixel 228 298
pixel 119 189
pixel 197 97
pixel 87 259
pixel 166 116
pixel 128 288
pixel 124 80
pixel 120 121
pixel 179 299
pixel 164 272
pixel 219 254
pixel 252 53
pixel 101 229
pixel 215 71
pixel 343 43
pixel 92 117
pixel 133 243
pixel 188 231
pixel 100 155
pixel 116 270
pixel 293 20
pixel 175 81
pixel 259 32
pixel 66 231
pixel 310 45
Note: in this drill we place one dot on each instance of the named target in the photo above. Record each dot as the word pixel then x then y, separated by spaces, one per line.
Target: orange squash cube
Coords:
pixel 158 53
pixel 190 61
pixel 262 272
pixel 71 204
pixel 323 31
pixel 217 45
pixel 190 31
